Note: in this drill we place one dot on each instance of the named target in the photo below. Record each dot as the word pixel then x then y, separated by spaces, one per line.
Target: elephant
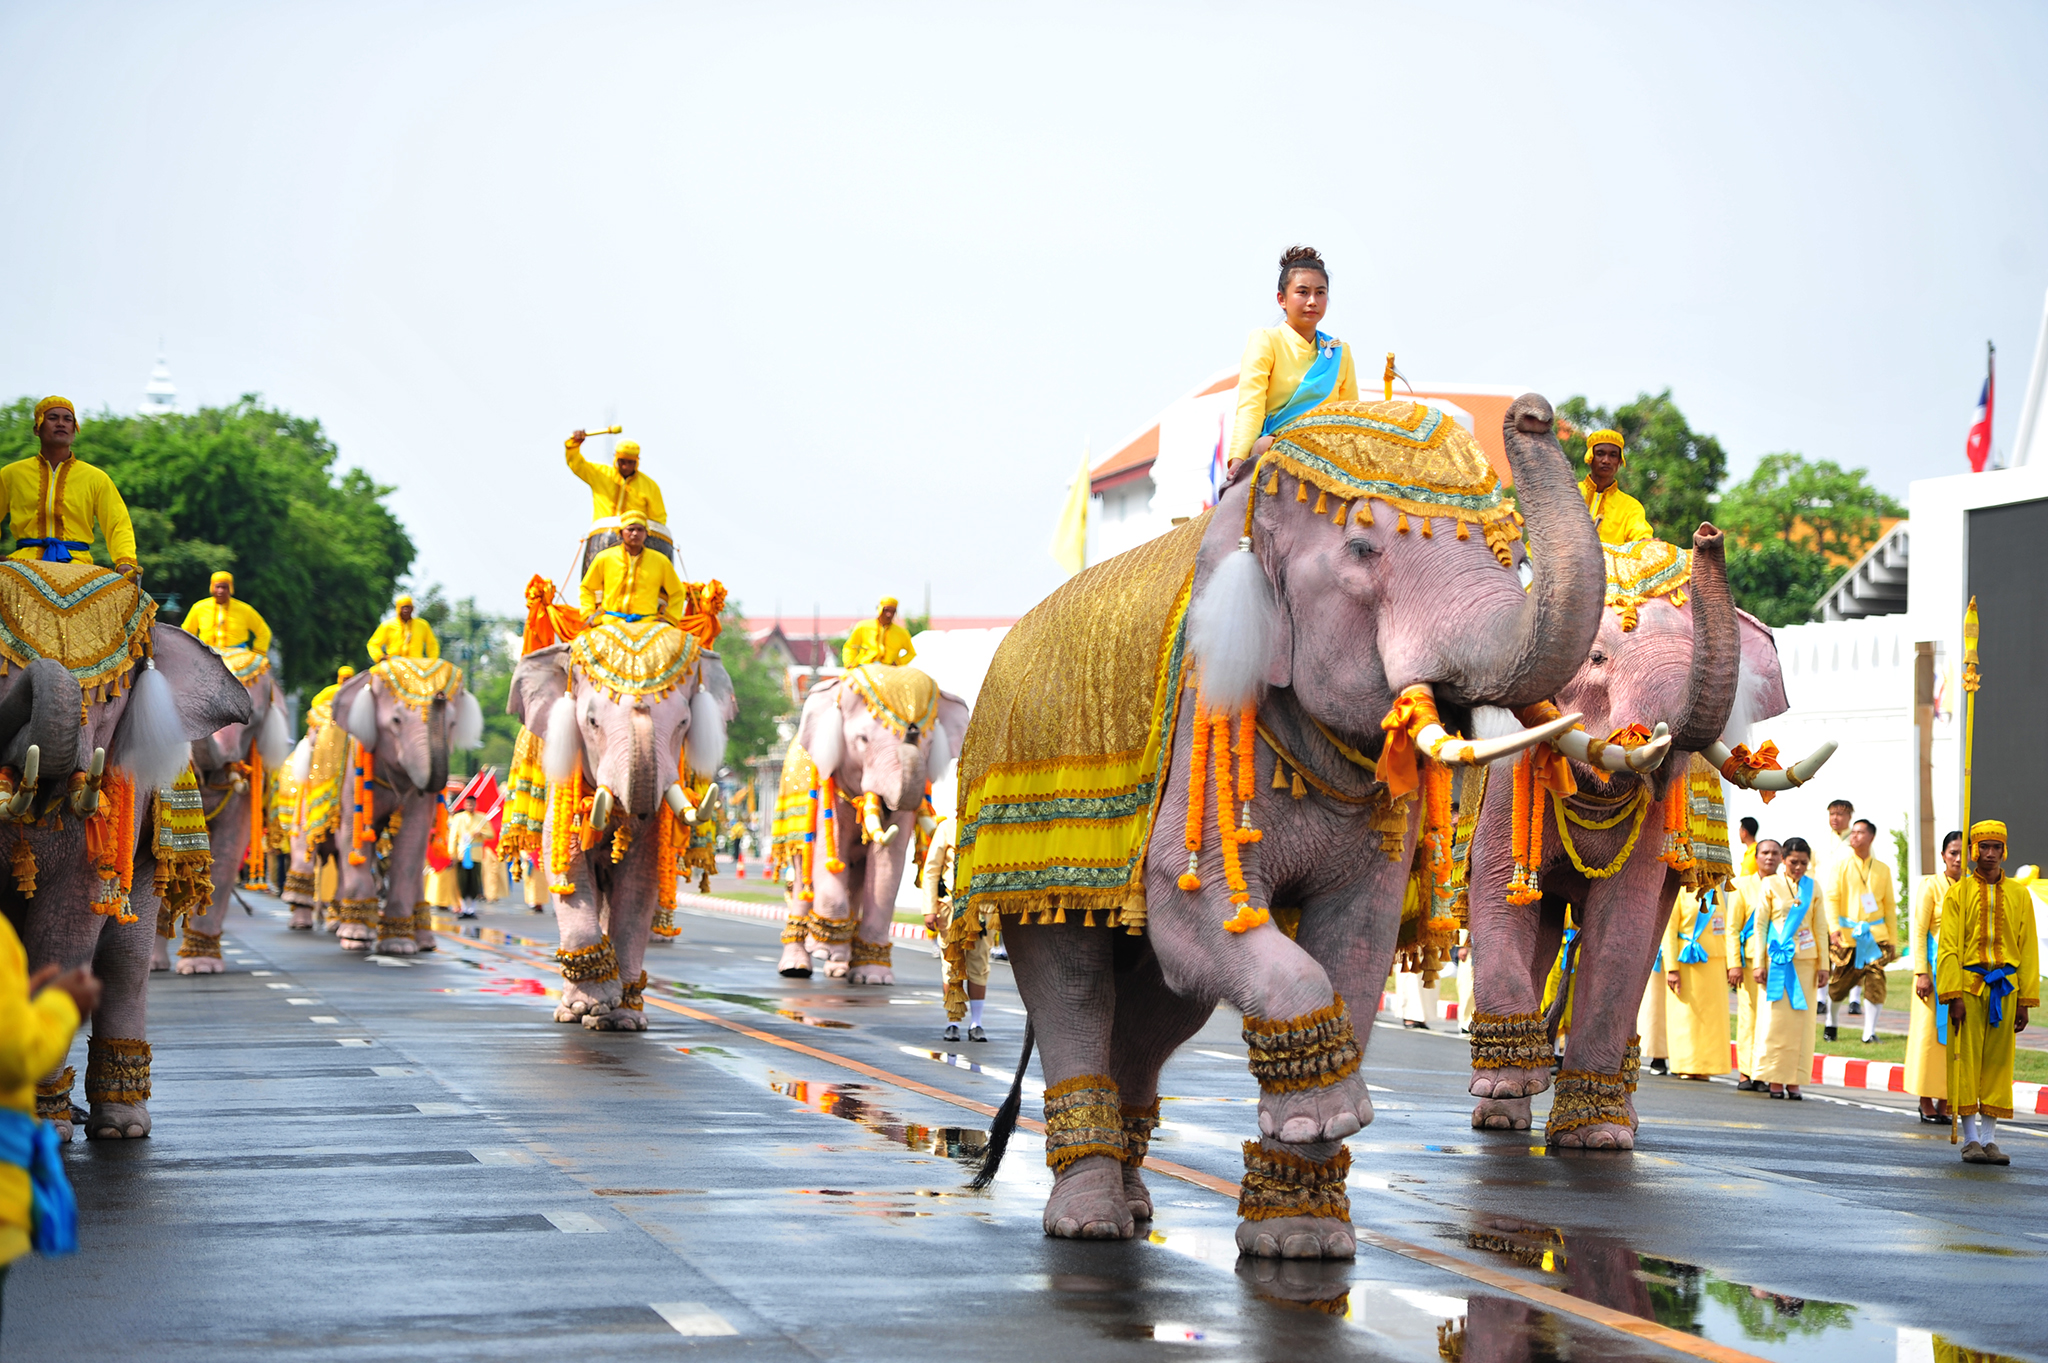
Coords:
pixel 406 715
pixel 1695 674
pixel 1345 643
pixel 628 712
pixel 882 734
pixel 320 767
pixel 135 740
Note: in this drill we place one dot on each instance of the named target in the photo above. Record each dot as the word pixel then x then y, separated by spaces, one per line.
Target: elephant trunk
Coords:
pixel 905 787
pixel 1561 614
pixel 437 747
pixel 642 793
pixel 43 709
pixel 1711 681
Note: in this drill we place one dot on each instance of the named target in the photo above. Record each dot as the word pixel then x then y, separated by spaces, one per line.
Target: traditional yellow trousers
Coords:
pixel 1745 1023
pixel 1697 1019
pixel 1981 1058
pixel 1784 1038
pixel 1926 1060
pixel 1650 1018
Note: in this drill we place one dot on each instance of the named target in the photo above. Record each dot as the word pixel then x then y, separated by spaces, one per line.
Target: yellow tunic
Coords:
pixel 1784 1037
pixel 611 495
pixel 1985 925
pixel 1749 859
pixel 1618 516
pixel 1697 1015
pixel 632 584
pixel 1745 897
pixel 238 625
pixel 1854 878
pixel 868 644
pixel 397 638
pixel 1926 1061
pixel 66 507
pixel 34 1035
pixel 1275 359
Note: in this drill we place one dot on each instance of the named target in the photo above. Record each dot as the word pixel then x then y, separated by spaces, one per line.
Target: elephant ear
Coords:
pixel 719 684
pixel 1760 689
pixel 821 731
pixel 350 704
pixel 204 693
pixel 950 730
pixel 540 679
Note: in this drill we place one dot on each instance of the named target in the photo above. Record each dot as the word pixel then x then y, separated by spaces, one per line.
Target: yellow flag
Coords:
pixel 1070 538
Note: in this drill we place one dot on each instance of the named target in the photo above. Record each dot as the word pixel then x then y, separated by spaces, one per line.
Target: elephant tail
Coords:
pixel 1006 1117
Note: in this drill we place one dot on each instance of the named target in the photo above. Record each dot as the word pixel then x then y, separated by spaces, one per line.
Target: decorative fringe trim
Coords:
pixel 832 930
pixel 24 868
pixel 117 1071
pixel 1314 1050
pixel 793 928
pixel 1278 1184
pixel 1083 1117
pixel 53 1096
pixel 1139 1124
pixel 1510 1041
pixel 298 882
pixel 1632 1063
pixel 1584 1099
pixel 423 917
pixel 870 953
pixel 394 929
pixel 367 912
pixel 632 997
pixel 199 944
pixel 589 965
pixel 665 924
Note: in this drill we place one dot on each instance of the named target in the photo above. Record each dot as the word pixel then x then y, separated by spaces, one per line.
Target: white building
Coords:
pixel 160 395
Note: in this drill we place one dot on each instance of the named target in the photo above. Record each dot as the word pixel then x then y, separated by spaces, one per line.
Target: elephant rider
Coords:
pixel 222 622
pixel 326 694
pixel 56 501
pixel 1618 516
pixel 621 488
pixel 628 582
pixel 1293 368
pixel 880 640
pixel 407 636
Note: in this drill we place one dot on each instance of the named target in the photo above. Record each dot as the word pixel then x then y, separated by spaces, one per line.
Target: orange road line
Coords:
pixel 1548 1297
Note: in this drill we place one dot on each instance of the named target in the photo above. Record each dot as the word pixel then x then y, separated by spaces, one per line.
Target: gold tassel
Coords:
pixel 1425 528
pixel 1343 514
pixel 1464 531
pixel 25 868
pixel 1088 919
pixel 1301 491
pixel 1401 524
pixel 1273 484
pixel 1059 915
pixel 1279 777
pixel 1299 789
pixel 1322 501
pixel 1365 511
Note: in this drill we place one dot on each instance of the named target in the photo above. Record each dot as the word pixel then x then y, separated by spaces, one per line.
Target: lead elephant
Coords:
pixel 1672 654
pixel 868 746
pixel 320 766
pixel 628 712
pixel 1353 594
pixel 405 715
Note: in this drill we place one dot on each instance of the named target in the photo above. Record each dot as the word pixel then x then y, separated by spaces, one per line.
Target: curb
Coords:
pixel 1888 1076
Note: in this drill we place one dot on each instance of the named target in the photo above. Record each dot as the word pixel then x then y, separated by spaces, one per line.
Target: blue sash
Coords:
pixel 1940 1008
pixel 1997 984
pixel 1312 392
pixel 56 550
pixel 1867 949
pixel 623 615
pixel 53 1211
pixel 1692 953
pixel 1784 961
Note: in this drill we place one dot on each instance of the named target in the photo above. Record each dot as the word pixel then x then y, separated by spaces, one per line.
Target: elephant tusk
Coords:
pixel 25 793
pixel 927 826
pixel 85 797
pixel 601 810
pixel 1792 777
pixel 710 801
pixel 1477 752
pixel 877 833
pixel 678 801
pixel 1578 746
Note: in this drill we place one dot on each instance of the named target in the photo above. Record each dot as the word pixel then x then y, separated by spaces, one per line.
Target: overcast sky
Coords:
pixel 862 279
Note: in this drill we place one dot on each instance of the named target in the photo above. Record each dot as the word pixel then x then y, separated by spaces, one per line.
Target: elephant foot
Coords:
pixel 397 946
pixel 1599 1136
pixel 1088 1201
pixel 871 974
pixel 837 970
pixel 579 1002
pixel 1509 1082
pixel 333 924
pixel 1136 1194
pixel 357 944
pixel 302 918
pixel 1309 1116
pixel 424 940
pixel 795 963
pixel 62 1126
pixel 159 954
pixel 201 965
pixel 1297 1237
pixel 1500 1114
pixel 356 936
pixel 617 1020
pixel 657 940
pixel 117 1121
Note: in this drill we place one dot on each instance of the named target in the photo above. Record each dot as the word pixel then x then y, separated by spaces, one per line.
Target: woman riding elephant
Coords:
pixel 405 715
pixel 867 749
pixel 1217 733
pixel 1612 831
pixel 632 713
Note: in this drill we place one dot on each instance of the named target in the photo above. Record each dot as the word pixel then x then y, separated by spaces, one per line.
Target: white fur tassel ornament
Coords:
pixel 1231 629
pixel 562 749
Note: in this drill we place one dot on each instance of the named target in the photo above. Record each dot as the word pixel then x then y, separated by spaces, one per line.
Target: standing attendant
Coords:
pixel 1926 1028
pixel 1829 847
pixel 1746 905
pixel 1863 926
pixel 405 636
pixel 1746 831
pixel 880 640
pixel 1292 368
pixel 1653 1017
pixel 1696 972
pixel 222 621
pixel 1988 970
pixel 1786 950
pixel 937 880
pixel 56 501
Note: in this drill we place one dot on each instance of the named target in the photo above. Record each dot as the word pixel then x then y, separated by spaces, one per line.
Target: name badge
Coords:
pixel 1714 928
pixel 1870 909
pixel 1804 941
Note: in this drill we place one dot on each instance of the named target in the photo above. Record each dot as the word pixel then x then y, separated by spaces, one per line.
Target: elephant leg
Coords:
pixel 590 967
pixel 838 903
pixel 795 963
pixel 1065 973
pixel 884 877
pixel 199 953
pixel 1618 938
pixel 1150 1024
pixel 299 884
pixel 117 1071
pixel 629 913
pixel 1513 946
pixel 405 901
pixel 357 900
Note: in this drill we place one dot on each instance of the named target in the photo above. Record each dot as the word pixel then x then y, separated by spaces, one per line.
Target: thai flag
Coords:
pixel 1216 470
pixel 1980 430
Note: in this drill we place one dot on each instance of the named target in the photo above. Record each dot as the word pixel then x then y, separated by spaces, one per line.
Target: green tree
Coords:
pixel 1671 468
pixel 757 688
pixel 1777 582
pixel 1795 524
pixel 256 491
pixel 485 647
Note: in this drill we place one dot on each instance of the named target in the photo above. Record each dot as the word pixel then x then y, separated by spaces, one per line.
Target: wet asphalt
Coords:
pixel 381 1159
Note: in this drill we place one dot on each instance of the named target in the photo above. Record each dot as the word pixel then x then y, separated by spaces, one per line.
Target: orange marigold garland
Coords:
pixel 565 805
pixel 1216 754
pixel 828 828
pixel 1677 852
pixel 1526 833
pixel 1232 837
pixel 362 835
pixel 1198 766
pixel 110 845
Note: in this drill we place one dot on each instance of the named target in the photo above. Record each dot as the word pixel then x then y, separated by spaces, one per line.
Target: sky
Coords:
pixel 865 280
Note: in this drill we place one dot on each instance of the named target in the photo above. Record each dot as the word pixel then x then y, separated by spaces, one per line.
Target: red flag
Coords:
pixel 1979 448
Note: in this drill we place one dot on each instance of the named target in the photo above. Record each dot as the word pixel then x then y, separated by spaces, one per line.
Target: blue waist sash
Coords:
pixel 1315 387
pixel 1783 950
pixel 53 1211
pixel 1691 952
pixel 1940 1008
pixel 1997 984
pixel 54 550
pixel 1867 949
pixel 623 615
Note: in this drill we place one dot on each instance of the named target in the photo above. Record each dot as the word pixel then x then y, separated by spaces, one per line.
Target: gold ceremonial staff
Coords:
pixel 1971 681
pixel 603 430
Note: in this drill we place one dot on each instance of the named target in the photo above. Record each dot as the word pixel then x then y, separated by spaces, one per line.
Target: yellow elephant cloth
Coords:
pixel 1697 1015
pixel 1926 1059
pixel 1745 897
pixel 620 583
pixel 611 495
pixel 1275 361
pixel 397 638
pixel 1987 925
pixel 1618 517
pixel 67 506
pixel 34 1036
pixel 220 628
pixel 1785 1035
pixel 869 643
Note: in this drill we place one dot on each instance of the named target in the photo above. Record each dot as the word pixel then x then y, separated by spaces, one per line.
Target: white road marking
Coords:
pixel 329 1022
pixel 576 1223
pixel 441 1109
pixel 393 961
pixel 391 1071
pixel 260 973
pixel 348 1040
pixel 277 986
pixel 502 1157
pixel 303 1003
pixel 1222 1055
pixel 692 1318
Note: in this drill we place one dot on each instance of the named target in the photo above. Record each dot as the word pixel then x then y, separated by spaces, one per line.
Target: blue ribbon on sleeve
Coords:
pixel 1784 952
pixel 1997 984
pixel 1692 953
pixel 31 1145
pixel 54 550
pixel 1940 1008
pixel 1315 387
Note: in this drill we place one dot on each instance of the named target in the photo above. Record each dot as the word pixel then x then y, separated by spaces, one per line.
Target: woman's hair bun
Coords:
pixel 1301 258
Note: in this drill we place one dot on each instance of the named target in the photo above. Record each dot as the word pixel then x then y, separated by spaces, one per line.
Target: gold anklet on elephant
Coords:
pixel 664 924
pixel 1278 1184
pixel 1083 1116
pixel 200 943
pixel 795 928
pixel 831 930
pixel 394 929
pixel 366 912
pixel 1632 1063
pixel 589 965
pixel 298 883
pixel 53 1096
pixel 1314 1050
pixel 116 1071
pixel 870 953
pixel 632 997
pixel 1139 1124
pixel 1510 1041
pixel 1581 1098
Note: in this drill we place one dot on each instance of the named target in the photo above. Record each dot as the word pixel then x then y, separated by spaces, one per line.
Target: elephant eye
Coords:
pixel 1599 657
pixel 1360 548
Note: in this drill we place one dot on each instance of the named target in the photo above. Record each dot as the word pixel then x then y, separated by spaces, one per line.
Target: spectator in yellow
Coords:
pixel 880 640
pixel 36 1025
pixel 1618 516
pixel 404 637
pixel 221 622
pixel 628 582
pixel 621 488
pixel 55 501
pixel 1988 971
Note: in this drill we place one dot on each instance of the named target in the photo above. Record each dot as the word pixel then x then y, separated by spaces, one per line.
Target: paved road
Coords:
pixel 371 1160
